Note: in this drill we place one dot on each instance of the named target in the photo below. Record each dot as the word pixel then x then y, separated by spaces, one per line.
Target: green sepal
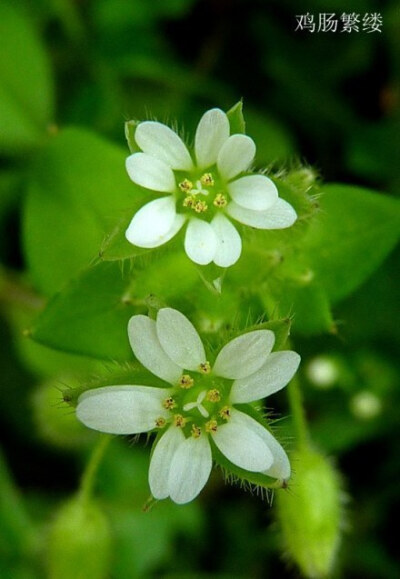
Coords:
pixel 130 129
pixel 236 119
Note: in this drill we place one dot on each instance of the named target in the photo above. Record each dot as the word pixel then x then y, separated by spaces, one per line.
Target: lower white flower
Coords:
pixel 204 192
pixel 197 410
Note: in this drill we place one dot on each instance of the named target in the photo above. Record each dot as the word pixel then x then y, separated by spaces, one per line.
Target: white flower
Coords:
pixel 203 191
pixel 198 405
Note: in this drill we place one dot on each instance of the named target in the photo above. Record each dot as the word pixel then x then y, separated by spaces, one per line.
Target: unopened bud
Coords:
pixel 310 514
pixel 79 542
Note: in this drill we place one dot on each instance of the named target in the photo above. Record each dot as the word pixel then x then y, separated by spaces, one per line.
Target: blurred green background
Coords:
pixel 330 100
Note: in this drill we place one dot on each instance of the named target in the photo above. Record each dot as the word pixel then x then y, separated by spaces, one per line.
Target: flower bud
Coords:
pixel 310 514
pixel 79 542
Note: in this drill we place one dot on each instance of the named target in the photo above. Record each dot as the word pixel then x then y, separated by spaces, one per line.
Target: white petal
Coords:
pixel 229 244
pixel 161 142
pixel 212 132
pixel 155 223
pixel 280 467
pixel 279 216
pixel 147 349
pixel 244 355
pixel 161 459
pixel 150 173
pixel 277 371
pixel 236 155
pixel 122 409
pixel 200 242
pixel 179 339
pixel 255 192
pixel 238 441
pixel 190 469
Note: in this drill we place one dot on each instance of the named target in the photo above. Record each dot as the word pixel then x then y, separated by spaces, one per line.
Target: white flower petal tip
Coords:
pixel 154 224
pixel 200 242
pixel 235 156
pixel 279 216
pixel 280 467
pixel 229 243
pixel 146 346
pixel 150 172
pixel 190 469
pixel 255 192
pixel 160 462
pixel 122 409
pixel 163 143
pixel 244 355
pixel 212 132
pixel 179 339
pixel 274 374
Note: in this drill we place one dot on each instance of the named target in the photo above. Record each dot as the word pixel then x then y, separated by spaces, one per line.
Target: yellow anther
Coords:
pixel 186 381
pixel 211 426
pixel 161 422
pixel 213 395
pixel 220 201
pixel 200 206
pixel 186 186
pixel 196 431
pixel 169 403
pixel 207 179
pixel 189 201
pixel 225 413
pixel 205 367
pixel 179 420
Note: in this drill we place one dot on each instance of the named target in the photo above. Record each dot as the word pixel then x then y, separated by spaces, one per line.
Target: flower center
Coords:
pixel 203 194
pixel 198 405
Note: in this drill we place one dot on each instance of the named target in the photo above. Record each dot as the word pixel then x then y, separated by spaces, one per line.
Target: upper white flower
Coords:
pixel 203 190
pixel 199 405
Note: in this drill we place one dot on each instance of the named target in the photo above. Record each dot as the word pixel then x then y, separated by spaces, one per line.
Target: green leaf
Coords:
pixel 236 119
pixel 308 304
pixel 90 316
pixel 26 91
pixel 354 232
pixel 79 189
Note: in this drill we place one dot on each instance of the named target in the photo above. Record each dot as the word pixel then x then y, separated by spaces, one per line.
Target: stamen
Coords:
pixel 213 395
pixel 196 431
pixel 161 422
pixel 207 179
pixel 211 426
pixel 186 381
pixel 179 420
pixel 186 186
pixel 205 367
pixel 169 403
pixel 189 201
pixel 220 201
pixel 225 413
pixel 200 206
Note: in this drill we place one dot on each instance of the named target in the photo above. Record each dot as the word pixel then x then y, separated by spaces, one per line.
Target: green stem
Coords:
pixel 298 413
pixel 90 472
